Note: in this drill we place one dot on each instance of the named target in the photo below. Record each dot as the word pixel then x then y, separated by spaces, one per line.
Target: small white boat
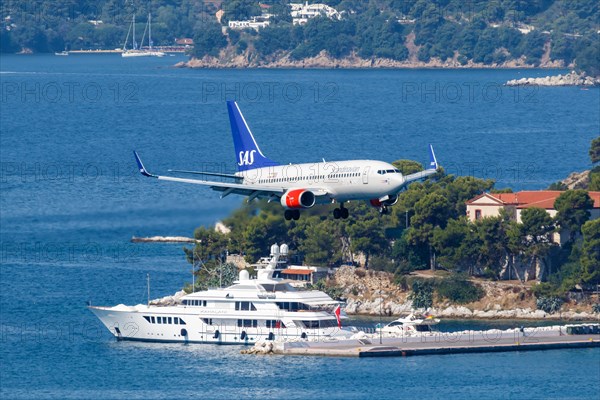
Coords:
pixel 410 324
pixel 61 53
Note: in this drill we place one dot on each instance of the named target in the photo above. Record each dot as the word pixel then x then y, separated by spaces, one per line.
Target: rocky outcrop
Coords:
pixel 375 293
pixel 570 79
pixel 169 300
pixel 577 180
pixel 263 348
pixel 229 59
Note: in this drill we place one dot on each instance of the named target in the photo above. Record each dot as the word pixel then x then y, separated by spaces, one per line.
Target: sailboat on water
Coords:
pixel 139 52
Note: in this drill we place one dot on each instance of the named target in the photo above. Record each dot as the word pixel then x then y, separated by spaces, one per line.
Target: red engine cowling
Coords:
pixel 391 200
pixel 298 198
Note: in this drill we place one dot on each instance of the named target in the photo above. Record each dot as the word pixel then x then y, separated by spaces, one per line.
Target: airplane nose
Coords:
pixel 397 180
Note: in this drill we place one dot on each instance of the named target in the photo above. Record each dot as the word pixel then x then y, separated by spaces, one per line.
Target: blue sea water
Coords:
pixel 71 199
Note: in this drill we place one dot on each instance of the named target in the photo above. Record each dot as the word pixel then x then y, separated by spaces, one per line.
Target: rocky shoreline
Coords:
pixel 374 307
pixel 353 61
pixel 570 79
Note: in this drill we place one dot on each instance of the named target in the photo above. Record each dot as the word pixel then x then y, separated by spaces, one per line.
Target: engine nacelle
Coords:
pixel 298 198
pixel 390 201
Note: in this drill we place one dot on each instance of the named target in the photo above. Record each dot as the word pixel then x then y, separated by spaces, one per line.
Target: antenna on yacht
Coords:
pixel 193 276
pixel 148 284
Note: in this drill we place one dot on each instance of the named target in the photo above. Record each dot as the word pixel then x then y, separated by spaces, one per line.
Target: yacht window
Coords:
pixel 153 320
pixel 280 287
pixel 395 323
pixel 270 323
pixel 247 323
pixel 159 320
pixel 204 303
pixel 181 322
pixel 176 320
pixel 170 320
pixel 184 302
pixel 311 324
pixel 244 306
pixel 207 321
pixel 147 318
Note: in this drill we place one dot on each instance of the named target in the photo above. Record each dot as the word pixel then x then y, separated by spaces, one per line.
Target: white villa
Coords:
pixel 301 13
pixel 255 23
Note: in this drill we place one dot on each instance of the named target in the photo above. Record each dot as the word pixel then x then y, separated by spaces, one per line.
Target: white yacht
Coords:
pixel 250 310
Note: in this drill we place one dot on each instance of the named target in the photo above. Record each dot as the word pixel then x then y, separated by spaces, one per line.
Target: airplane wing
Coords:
pixel 432 169
pixel 253 191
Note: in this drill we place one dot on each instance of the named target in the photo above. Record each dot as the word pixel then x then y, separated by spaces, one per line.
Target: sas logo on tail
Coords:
pixel 246 157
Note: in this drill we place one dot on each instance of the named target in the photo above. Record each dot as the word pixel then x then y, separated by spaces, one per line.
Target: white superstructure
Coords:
pixel 243 313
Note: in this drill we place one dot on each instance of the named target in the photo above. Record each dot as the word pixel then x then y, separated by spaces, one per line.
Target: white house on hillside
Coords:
pixel 301 13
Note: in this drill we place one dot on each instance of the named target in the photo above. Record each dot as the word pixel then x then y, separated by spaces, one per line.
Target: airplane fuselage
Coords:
pixel 339 180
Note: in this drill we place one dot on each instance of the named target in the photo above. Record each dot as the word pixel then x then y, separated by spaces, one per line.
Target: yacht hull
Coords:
pixel 130 323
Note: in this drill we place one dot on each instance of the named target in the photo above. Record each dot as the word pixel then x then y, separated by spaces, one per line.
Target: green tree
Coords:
pixel 595 150
pixel 322 245
pixel 408 167
pixel 421 294
pixel 572 209
pixel 208 39
pixel 535 235
pixel 367 236
pixel 590 257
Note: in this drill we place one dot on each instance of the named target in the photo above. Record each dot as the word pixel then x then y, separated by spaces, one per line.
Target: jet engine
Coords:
pixel 390 201
pixel 298 198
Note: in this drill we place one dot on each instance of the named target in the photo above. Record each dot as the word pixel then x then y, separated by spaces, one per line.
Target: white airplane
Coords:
pixel 300 186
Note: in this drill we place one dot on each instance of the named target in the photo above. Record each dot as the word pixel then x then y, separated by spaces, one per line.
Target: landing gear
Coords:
pixel 292 214
pixel 341 212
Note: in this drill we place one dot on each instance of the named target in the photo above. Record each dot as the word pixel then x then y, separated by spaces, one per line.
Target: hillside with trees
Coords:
pixel 503 32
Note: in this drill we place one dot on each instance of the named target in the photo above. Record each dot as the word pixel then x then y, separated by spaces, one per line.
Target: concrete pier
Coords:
pixel 448 343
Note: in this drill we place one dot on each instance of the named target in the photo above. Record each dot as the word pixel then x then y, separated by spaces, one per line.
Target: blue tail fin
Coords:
pixel 248 154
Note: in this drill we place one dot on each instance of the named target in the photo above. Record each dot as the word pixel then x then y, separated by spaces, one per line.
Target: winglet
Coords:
pixel 141 167
pixel 433 164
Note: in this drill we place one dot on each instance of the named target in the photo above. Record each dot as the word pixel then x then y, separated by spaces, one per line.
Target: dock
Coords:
pixel 580 336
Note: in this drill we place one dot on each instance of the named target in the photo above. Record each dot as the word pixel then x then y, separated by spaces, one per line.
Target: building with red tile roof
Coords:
pixel 489 205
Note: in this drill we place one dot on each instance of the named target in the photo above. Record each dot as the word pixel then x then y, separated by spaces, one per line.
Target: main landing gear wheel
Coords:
pixel 340 213
pixel 292 214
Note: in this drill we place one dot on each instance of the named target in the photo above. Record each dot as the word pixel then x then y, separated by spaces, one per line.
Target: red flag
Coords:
pixel 337 316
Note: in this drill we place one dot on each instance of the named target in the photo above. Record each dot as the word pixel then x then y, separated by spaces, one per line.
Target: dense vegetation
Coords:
pixel 481 31
pixel 427 229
